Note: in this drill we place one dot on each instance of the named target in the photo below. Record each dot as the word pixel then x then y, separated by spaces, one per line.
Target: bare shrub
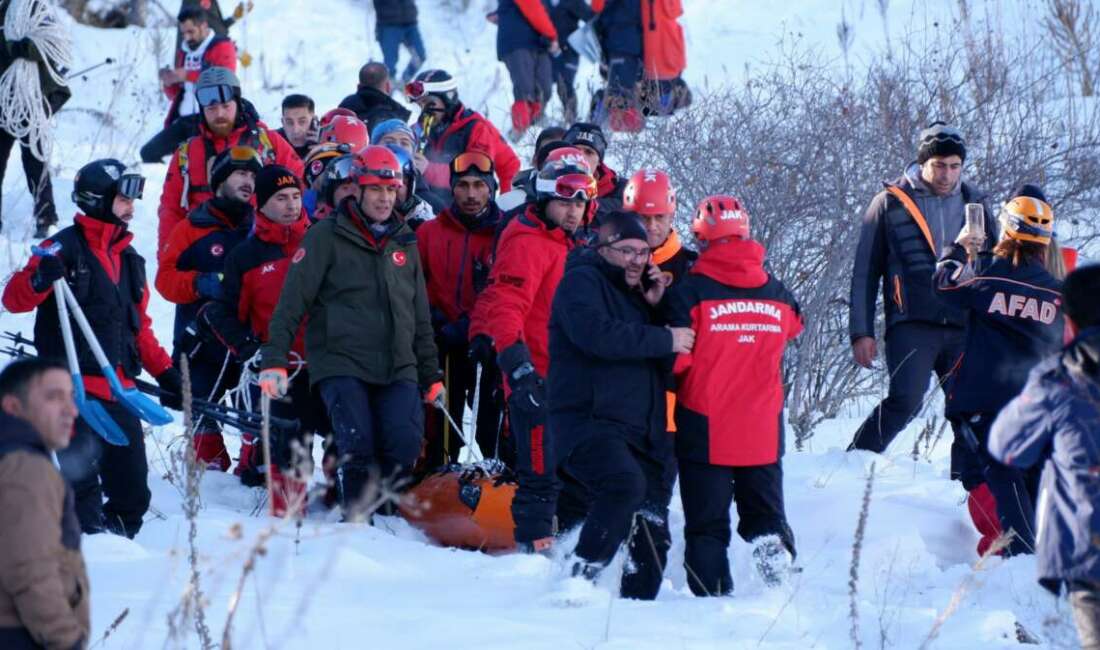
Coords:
pixel 1072 24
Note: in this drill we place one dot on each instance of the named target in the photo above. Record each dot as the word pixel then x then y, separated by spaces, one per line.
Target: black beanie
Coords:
pixel 588 134
pixel 618 226
pixel 939 139
pixel 271 179
pixel 1030 190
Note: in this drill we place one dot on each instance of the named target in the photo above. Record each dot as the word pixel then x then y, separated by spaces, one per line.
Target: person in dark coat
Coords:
pixel 526 41
pixel 566 15
pixel 371 101
pixel 396 25
pixel 605 391
pixel 44 592
pixel 903 232
pixel 1014 321
pixel 619 30
pixel 1055 423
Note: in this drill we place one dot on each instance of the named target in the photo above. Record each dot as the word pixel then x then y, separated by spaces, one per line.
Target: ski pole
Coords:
pixel 107 61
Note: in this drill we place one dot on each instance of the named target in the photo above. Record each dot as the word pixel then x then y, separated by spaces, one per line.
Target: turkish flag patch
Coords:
pixel 217 250
pixel 399 258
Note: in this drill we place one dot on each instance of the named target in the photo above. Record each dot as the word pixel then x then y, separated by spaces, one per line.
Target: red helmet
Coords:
pixel 720 217
pixel 649 192
pixel 565 176
pixel 346 130
pixel 570 155
pixel 327 117
pixel 377 165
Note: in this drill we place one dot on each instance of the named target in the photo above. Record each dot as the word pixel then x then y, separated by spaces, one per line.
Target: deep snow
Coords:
pixel 350 586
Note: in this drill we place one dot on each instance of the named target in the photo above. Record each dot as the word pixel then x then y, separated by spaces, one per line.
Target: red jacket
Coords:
pixel 221 52
pixel 107 243
pixel 663 39
pixel 530 260
pixel 254 275
pixel 193 156
pixel 456 255
pixel 729 399
pixel 468 131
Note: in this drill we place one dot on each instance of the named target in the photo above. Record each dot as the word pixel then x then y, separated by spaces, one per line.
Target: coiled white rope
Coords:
pixel 24 111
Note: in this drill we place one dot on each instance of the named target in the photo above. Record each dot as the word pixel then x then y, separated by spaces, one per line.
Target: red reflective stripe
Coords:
pixel 538 457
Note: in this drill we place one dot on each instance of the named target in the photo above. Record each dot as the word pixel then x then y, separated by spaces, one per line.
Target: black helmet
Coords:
pixel 97 184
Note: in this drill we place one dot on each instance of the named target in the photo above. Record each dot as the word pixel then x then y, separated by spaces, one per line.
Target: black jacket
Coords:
pixel 1014 322
pixel 895 253
pixel 395 12
pixel 619 28
pixel 608 362
pixel 373 106
pixel 566 14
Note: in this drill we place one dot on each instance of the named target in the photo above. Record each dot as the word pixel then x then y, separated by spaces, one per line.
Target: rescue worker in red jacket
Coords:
pixel 200 48
pixel 190 273
pixel 512 316
pixel 455 249
pixel 253 279
pixel 227 120
pixel 448 128
pixel 729 400
pixel 107 276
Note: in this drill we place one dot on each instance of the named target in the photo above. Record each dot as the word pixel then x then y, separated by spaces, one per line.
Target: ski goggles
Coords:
pixel 415 90
pixel 571 187
pixel 340 169
pixel 210 95
pixel 369 176
pixel 472 160
pixel 131 186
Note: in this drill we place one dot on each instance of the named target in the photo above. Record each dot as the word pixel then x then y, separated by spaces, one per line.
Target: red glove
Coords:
pixel 435 395
pixel 273 382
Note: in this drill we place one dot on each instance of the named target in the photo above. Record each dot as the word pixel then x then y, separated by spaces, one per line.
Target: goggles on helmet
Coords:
pixel 210 95
pixel 570 187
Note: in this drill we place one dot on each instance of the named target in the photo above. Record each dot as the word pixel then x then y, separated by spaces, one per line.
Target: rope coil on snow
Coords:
pixel 24 111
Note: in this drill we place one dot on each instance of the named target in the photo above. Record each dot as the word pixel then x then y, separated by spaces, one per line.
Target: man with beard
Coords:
pixel 227 120
pixel 455 249
pixel 200 48
pixel 358 276
pixel 190 275
pixel 107 276
pixel 511 318
pixel 608 359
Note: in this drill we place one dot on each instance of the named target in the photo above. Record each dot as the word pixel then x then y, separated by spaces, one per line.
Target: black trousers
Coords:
pixel 623 73
pixel 377 427
pixel 628 491
pixel 536 473
pixel 38 180
pixel 97 469
pixel 208 379
pixel 303 404
pixel 461 375
pixel 565 76
pixel 913 352
pixel 170 137
pixel 706 491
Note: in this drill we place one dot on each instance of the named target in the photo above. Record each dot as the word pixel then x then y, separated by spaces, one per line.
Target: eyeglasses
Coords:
pixel 632 253
pixel 210 95
pixel 464 162
pixel 131 185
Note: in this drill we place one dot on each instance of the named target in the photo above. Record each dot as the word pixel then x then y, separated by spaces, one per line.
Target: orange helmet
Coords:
pixel 720 217
pixel 346 130
pixel 649 192
pixel 377 165
pixel 1025 218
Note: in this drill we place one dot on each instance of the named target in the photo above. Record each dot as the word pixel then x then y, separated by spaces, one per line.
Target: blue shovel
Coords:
pixel 92 411
pixel 131 398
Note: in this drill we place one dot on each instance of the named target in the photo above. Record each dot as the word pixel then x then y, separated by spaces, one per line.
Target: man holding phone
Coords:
pixel 300 125
pixel 904 230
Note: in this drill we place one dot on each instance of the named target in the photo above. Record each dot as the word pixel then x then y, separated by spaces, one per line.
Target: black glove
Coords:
pixel 456 334
pixel 209 286
pixel 482 350
pixel 247 349
pixel 190 339
pixel 528 398
pixel 171 382
pixel 50 269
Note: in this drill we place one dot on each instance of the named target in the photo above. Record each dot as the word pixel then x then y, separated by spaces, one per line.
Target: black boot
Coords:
pixel 354 480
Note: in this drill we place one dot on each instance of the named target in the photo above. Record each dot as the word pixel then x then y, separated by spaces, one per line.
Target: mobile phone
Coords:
pixel 647 282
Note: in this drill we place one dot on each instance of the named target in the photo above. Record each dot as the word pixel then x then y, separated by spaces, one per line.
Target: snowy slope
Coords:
pixel 350 586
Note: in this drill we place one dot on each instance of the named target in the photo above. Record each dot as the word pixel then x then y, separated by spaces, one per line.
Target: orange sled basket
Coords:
pixel 465 506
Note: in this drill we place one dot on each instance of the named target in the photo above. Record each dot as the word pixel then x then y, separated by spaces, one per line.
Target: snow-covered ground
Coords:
pixel 352 586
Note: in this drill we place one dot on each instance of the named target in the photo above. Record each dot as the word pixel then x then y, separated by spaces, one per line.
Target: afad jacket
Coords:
pixel 365 300
pixel 729 396
pixel 1014 321
pixel 107 277
pixel 515 307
